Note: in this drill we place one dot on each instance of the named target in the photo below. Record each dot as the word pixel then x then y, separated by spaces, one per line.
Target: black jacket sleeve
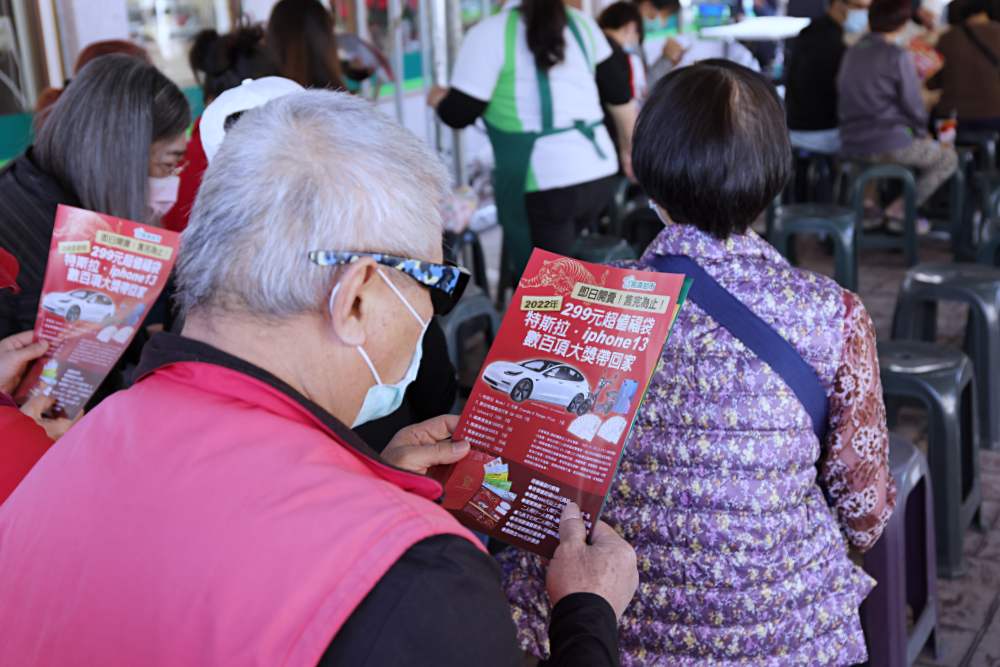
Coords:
pixel 459 110
pixel 441 605
pixel 614 78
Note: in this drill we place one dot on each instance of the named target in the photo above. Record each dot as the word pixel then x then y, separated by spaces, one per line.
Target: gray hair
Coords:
pixel 317 170
pixel 95 140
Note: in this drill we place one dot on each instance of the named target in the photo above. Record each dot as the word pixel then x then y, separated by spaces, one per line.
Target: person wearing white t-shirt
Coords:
pixel 536 74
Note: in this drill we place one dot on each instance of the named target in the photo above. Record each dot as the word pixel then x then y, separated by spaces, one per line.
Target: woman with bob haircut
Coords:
pixel 739 491
pixel 111 144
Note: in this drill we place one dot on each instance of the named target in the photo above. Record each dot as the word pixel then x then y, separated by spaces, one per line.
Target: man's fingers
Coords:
pixel 17 341
pixel 30 352
pixel 571 527
pixel 418 458
pixel 604 533
pixel 37 405
pixel 437 429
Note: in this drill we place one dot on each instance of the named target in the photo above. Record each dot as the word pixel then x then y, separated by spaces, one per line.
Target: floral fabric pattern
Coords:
pixel 741 559
pixel 854 469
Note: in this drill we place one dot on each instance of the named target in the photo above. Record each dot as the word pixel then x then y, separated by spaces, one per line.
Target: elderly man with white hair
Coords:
pixel 221 511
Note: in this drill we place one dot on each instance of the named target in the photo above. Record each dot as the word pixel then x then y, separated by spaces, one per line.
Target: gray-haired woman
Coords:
pixel 110 144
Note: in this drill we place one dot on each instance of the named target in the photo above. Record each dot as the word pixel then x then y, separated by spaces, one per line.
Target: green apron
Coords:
pixel 512 154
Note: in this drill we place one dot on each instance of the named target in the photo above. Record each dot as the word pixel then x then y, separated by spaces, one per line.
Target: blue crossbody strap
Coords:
pixel 756 334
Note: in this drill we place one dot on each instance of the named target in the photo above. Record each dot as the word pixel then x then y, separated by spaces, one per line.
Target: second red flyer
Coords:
pixel 552 408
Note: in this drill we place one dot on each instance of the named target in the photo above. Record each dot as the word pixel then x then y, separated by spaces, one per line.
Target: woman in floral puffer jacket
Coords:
pixel 741 517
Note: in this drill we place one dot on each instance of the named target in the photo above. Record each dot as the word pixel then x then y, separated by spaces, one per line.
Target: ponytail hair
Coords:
pixel 545 21
pixel 221 62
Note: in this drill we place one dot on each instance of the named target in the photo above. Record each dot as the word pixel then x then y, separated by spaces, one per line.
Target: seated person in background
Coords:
pixel 883 117
pixel 723 485
pixel 970 79
pixel 811 75
pixel 219 62
pixel 220 511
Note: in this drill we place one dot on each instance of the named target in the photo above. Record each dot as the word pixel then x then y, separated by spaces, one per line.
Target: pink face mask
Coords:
pixel 162 194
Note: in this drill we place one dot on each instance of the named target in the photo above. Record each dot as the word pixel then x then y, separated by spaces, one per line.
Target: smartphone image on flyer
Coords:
pixel 553 405
pixel 103 275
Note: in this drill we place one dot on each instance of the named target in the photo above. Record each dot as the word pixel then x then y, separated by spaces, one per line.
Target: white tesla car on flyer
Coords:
pixel 80 304
pixel 541 380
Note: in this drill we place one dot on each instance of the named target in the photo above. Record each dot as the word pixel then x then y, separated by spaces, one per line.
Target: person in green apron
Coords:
pixel 537 74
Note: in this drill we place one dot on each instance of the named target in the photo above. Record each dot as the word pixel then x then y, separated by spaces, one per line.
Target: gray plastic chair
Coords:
pixel 979 287
pixel 904 563
pixel 988 253
pixel 985 144
pixel 941 381
pixel 836 222
pixel 855 177
pixel 466 249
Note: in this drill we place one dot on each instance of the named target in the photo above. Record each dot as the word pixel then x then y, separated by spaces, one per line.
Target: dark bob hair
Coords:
pixel 620 14
pixel 711 146
pixel 886 16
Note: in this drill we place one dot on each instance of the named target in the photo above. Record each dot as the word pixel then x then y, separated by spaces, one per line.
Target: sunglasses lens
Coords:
pixel 444 302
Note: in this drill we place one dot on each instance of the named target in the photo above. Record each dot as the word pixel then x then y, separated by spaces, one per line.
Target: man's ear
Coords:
pixel 351 304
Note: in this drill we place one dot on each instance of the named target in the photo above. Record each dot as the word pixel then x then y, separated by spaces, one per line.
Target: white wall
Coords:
pixel 81 23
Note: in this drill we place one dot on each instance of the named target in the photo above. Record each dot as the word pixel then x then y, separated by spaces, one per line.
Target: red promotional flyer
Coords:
pixel 102 276
pixel 552 408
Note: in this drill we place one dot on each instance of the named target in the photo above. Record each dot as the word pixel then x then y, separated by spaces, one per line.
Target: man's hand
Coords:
pixel 607 567
pixel 421 446
pixel 435 95
pixel 16 352
pixel 54 428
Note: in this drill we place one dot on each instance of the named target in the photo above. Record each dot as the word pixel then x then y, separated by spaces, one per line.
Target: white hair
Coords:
pixel 317 170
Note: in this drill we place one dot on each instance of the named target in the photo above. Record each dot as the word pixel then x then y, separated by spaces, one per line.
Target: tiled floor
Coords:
pixel 969 606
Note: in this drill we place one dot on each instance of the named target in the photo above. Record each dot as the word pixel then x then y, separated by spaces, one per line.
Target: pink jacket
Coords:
pixel 201 517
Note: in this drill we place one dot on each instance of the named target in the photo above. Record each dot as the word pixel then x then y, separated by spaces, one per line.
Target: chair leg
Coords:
pixel 884 611
pixel 921 571
pixel 983 332
pixel 845 270
pixel 945 454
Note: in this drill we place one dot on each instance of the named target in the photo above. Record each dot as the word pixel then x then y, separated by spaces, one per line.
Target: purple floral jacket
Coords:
pixel 723 486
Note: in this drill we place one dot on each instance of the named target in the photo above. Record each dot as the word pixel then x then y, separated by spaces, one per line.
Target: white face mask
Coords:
pixel 384 399
pixel 162 194
pixel 856 21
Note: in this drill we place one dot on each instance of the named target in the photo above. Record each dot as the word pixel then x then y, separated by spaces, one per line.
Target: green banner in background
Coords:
pixel 15 135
